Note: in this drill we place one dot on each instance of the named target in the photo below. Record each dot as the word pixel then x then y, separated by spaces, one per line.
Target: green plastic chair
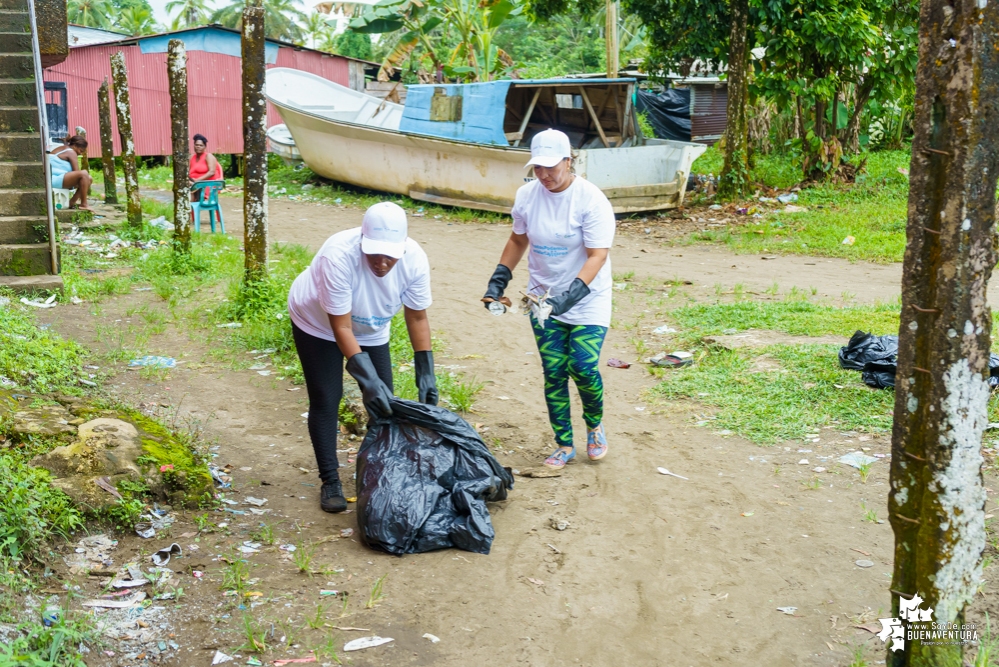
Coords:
pixel 207 200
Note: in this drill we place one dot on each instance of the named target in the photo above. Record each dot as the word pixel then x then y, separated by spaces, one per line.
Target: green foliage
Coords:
pixel 32 357
pixel 190 13
pixel 31 510
pixel 90 13
pixel 281 18
pixel 35 645
pixel 352 44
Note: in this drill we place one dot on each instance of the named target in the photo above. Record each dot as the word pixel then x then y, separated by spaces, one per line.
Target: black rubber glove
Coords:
pixel 374 393
pixel 426 381
pixel 565 301
pixel 497 284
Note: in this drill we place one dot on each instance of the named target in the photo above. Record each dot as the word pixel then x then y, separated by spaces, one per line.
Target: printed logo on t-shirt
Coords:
pixel 560 235
pixel 550 250
pixel 368 324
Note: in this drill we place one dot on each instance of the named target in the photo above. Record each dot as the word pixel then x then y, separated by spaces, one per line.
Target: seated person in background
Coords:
pixel 66 172
pixel 204 166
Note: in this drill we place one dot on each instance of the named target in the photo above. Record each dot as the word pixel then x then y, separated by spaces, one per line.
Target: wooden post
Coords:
pixel 936 503
pixel 254 144
pixel 177 75
pixel 610 38
pixel 107 143
pixel 84 160
pixel 123 109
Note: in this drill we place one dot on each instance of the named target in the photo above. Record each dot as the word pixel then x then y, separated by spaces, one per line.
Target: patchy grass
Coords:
pixel 33 358
pixel 872 211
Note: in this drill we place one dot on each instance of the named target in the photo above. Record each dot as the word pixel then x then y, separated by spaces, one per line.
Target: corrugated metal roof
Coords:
pixel 708 112
pixel 80 35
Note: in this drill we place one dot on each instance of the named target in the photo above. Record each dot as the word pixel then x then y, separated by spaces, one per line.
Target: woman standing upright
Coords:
pixel 568 225
pixel 341 307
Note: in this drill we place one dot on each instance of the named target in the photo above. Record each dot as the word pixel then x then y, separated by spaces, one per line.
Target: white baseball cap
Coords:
pixel 548 148
pixel 384 230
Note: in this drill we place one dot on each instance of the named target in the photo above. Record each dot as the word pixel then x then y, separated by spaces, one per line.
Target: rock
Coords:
pixel 45 420
pixel 105 448
pixel 754 338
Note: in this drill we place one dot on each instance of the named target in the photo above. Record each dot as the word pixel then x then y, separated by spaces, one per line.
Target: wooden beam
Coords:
pixel 627 114
pixel 593 115
pixel 527 116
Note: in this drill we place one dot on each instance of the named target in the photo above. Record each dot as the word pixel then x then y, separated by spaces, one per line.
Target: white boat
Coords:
pixel 467 144
pixel 282 144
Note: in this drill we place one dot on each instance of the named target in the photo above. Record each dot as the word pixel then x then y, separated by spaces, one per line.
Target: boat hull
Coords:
pixel 641 178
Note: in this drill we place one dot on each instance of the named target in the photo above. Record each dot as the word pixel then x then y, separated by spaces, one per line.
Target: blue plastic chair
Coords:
pixel 207 200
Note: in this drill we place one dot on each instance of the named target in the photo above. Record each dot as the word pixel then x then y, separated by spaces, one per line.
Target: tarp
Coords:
pixel 206 39
pixel 483 107
pixel 668 112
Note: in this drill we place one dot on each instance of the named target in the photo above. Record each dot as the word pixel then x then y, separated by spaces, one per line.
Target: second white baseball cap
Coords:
pixel 384 230
pixel 548 148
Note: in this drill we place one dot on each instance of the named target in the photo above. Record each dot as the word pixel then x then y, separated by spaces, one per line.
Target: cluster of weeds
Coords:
pixel 34 358
pixel 35 645
pixel 32 510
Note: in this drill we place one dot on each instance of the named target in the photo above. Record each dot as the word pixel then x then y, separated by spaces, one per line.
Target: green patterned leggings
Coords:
pixel 571 350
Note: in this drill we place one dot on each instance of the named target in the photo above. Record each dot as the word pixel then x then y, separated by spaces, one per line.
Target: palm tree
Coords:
pixel 317 28
pixel 190 13
pixel 281 18
pixel 91 13
pixel 137 21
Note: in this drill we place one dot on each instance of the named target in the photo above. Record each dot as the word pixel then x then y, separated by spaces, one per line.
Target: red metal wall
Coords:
pixel 214 94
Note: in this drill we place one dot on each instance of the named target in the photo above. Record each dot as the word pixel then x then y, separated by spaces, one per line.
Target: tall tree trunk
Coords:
pixel 123 109
pixel 937 500
pixel 610 39
pixel 820 119
pixel 254 143
pixel 734 180
pixel 852 137
pixel 107 143
pixel 177 75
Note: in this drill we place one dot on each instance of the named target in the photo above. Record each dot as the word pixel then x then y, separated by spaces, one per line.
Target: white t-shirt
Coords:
pixel 560 227
pixel 339 281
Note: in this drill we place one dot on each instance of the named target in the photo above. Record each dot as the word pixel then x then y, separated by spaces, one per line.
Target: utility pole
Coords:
pixel 123 109
pixel 936 503
pixel 177 75
pixel 610 39
pixel 107 143
pixel 254 143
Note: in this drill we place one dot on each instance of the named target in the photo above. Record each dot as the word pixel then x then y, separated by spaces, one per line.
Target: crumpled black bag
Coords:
pixel 424 477
pixel 877 359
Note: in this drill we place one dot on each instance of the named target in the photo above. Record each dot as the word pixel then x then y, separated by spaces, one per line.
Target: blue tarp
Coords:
pixel 211 40
pixel 483 108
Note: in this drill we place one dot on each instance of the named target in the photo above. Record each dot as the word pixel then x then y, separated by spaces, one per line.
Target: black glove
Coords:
pixel 564 302
pixel 374 393
pixel 426 381
pixel 501 278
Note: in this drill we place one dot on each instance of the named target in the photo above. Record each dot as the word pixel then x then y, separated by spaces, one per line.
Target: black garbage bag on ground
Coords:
pixel 424 477
pixel 668 112
pixel 877 358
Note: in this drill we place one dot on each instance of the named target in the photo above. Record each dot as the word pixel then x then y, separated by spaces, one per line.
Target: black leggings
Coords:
pixel 322 365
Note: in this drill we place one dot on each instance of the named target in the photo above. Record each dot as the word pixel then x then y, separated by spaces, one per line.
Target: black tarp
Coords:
pixel 668 112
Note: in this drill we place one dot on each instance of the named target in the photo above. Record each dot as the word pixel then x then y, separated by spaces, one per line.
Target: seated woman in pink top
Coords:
pixel 204 166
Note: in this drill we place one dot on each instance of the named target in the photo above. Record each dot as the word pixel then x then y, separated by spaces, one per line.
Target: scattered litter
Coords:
pixel 433 638
pixel 559 524
pixel 287 547
pixel 116 604
pixel 346 532
pixel 554 548
pixel 849 240
pixel 230 325
pixel 787 610
pixel 748 513
pixel 329 593
pixel 35 303
pixel 219 475
pixel 675 360
pixel 803 462
pixel 366 642
pixel 663 471
pixel 864 563
pixel 791 208
pixel 92 552
pixel 789 198
pixel 255 501
pixel 221 657
pixel 154 362
pixel 75 300
pixel 6 382
pixel 291 661
pixel 129 583
pixel 304 415
pixel 857 459
pixel 715 207
pixel 818 469
pixel 162 557
pixel 161 223
pixel 617 363
pixel 51 615
pixel 664 329
pixel 536 582
pixel 539 306
pixel 253 662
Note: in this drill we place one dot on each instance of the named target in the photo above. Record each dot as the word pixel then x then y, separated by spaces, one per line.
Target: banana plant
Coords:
pixel 414 19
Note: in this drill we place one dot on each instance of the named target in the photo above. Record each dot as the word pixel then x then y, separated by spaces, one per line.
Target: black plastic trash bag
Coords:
pixel 879 374
pixel 423 479
pixel 864 347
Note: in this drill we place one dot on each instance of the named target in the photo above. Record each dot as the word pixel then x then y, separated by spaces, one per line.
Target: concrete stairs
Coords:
pixel 24 250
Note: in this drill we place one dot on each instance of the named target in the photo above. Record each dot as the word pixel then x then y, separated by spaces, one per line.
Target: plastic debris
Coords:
pixel 433 638
pixel 219 475
pixel 538 306
pixel 253 662
pixel 220 657
pixel 329 593
pixel 346 532
pixel 864 563
pixel 35 303
pixel 857 459
pixel 162 557
pixel 75 300
pixel 287 547
pixel 617 363
pixel 789 198
pixel 664 329
pixel 131 601
pixel 677 359
pixel 92 552
pixel 129 583
pixel 230 325
pixel 153 361
pixel 663 471
pixel 161 223
pixel 849 240
pixel 787 610
pixel 258 502
pixel 366 642
pixel 51 615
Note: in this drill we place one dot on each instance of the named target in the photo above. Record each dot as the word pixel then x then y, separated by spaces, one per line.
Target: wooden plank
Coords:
pixel 649 190
pixel 527 116
pixel 625 133
pixel 593 115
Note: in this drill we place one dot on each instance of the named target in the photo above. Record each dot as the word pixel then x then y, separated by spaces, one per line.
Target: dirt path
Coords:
pixel 653 570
